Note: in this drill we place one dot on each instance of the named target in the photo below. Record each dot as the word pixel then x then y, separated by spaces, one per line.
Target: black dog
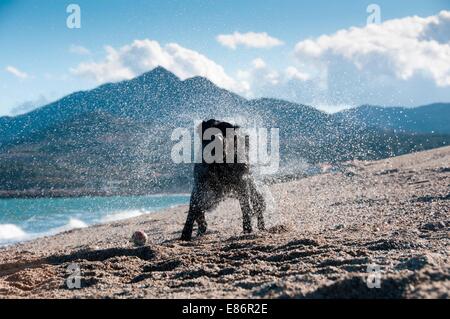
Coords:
pixel 215 181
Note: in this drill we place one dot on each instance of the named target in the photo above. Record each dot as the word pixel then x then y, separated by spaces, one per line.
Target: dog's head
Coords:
pixel 215 124
pixel 215 129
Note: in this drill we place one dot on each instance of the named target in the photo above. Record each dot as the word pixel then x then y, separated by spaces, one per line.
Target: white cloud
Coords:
pixel 249 39
pixel 258 63
pixel 401 49
pixel 140 56
pixel 28 106
pixel 263 80
pixel 399 62
pixel 79 50
pixel 293 73
pixel 16 72
pixel 257 76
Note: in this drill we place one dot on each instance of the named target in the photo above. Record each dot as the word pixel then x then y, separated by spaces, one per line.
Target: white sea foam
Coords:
pixel 72 224
pixel 121 215
pixel 11 232
pixel 50 220
pixel 75 223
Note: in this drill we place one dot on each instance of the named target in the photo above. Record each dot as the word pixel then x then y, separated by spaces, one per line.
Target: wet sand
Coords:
pixel 324 232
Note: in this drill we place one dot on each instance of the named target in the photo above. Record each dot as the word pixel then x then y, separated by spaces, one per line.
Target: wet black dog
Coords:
pixel 215 181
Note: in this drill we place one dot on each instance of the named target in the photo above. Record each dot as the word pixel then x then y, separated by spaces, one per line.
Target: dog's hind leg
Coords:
pixel 202 224
pixel 258 204
pixel 244 201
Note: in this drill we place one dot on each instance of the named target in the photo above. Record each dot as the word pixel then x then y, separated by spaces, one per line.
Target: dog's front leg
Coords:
pixel 189 224
pixel 202 200
pixel 193 214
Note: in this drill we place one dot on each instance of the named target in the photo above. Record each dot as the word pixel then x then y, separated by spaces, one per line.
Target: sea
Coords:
pixel 26 219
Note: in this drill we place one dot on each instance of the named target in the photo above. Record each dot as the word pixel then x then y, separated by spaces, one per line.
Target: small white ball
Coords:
pixel 139 238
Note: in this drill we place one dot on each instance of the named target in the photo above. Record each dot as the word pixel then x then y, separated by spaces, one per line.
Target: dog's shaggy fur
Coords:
pixel 215 181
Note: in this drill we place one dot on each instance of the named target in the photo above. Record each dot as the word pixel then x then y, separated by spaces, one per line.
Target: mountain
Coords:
pixel 148 97
pixel 115 139
pixel 432 118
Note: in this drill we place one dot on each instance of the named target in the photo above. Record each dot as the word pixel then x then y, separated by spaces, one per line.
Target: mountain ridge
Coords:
pixel 424 119
pixel 119 133
pixel 199 81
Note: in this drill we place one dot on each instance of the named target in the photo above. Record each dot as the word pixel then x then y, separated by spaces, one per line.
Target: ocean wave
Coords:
pixel 72 224
pixel 11 232
pixel 49 220
pixel 121 215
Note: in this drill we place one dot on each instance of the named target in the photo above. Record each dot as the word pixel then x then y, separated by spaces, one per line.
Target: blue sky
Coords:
pixel 41 59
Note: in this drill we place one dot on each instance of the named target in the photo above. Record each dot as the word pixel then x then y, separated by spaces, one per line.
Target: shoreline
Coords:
pixel 314 169
pixel 69 226
pixel 63 194
pixel 323 232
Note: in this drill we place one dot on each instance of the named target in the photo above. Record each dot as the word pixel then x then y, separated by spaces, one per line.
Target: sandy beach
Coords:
pixel 323 233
